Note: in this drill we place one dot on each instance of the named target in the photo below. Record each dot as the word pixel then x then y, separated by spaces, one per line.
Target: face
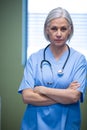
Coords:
pixel 58 31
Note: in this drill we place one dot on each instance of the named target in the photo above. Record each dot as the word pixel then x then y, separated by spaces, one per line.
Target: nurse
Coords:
pixel 54 79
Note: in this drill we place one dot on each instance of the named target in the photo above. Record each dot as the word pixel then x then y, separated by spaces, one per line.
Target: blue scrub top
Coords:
pixel 57 116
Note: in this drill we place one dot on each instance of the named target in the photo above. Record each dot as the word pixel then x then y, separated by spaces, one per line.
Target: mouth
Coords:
pixel 58 40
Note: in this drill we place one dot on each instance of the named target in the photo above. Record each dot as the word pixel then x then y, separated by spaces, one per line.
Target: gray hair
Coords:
pixel 57 13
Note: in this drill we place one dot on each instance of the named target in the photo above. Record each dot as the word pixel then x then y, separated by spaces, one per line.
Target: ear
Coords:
pixel 70 29
pixel 47 30
pixel 69 33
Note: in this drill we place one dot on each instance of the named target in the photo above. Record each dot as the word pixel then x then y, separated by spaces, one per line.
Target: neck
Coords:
pixel 58 50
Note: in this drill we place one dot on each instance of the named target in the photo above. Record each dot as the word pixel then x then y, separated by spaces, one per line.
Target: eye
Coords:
pixel 54 28
pixel 63 29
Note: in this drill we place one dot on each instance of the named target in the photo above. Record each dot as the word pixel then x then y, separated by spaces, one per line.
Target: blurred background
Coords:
pixel 11 68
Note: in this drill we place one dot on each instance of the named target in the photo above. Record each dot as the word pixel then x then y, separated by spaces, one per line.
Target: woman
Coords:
pixel 54 79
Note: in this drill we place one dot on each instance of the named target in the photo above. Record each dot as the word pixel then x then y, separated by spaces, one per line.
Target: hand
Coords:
pixel 39 89
pixel 74 85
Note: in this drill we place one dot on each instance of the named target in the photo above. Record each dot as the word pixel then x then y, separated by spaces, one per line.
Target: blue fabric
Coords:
pixel 58 116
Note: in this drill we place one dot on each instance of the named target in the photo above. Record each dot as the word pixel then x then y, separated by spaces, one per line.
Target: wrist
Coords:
pixel 42 90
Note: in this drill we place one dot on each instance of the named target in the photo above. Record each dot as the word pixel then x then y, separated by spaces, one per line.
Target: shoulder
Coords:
pixel 36 56
pixel 77 56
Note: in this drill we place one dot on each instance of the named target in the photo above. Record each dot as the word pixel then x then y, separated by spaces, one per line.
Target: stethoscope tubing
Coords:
pixel 60 72
pixel 44 57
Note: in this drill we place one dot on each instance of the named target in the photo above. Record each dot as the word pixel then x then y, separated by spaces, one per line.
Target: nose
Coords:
pixel 58 34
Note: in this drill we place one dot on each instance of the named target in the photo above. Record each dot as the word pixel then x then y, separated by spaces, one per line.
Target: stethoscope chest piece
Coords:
pixel 60 73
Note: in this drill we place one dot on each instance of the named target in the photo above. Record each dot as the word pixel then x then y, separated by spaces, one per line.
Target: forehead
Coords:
pixel 59 22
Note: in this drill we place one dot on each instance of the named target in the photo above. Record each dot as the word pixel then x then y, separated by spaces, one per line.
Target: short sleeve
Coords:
pixel 28 77
pixel 81 75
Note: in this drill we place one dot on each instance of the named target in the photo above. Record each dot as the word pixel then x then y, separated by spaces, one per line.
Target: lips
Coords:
pixel 58 40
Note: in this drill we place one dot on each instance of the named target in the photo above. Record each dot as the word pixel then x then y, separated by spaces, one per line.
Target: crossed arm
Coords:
pixel 42 96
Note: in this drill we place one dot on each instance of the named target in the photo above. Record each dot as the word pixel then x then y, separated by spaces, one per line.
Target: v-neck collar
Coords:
pixel 51 57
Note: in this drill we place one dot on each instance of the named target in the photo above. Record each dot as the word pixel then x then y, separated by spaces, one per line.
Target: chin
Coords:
pixel 59 44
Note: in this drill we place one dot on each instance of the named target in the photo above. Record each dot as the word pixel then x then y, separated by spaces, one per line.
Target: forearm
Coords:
pixel 30 97
pixel 63 96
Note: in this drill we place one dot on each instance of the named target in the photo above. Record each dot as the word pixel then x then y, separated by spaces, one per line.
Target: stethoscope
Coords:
pixel 60 72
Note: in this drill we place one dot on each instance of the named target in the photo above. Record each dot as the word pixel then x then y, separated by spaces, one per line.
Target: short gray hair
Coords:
pixel 57 13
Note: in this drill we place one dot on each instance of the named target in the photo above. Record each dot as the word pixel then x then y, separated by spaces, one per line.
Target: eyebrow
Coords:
pixel 62 27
